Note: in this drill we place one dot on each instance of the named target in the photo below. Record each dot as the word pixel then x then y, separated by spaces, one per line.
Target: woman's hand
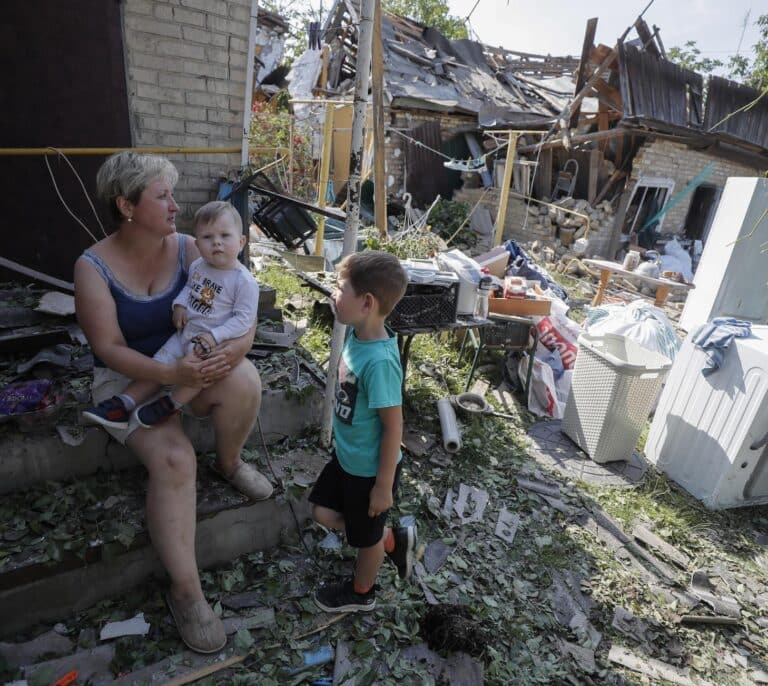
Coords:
pixel 192 371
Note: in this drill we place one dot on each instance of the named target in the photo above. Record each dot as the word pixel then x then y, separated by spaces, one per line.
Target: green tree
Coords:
pixel 754 73
pixel 689 57
pixel 432 13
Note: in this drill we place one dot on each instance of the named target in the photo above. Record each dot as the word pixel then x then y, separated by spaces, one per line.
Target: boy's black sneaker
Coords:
pixel 341 597
pixel 404 554
pixel 110 412
pixel 155 412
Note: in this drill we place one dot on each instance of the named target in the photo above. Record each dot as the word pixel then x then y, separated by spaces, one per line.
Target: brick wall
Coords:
pixel 665 159
pixel 396 146
pixel 186 70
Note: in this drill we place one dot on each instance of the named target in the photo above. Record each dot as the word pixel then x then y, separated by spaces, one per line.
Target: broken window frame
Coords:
pixel 644 184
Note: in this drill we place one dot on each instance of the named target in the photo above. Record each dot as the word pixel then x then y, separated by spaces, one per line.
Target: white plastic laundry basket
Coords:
pixel 615 383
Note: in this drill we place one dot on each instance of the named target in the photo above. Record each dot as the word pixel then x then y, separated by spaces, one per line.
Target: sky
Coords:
pixel 556 27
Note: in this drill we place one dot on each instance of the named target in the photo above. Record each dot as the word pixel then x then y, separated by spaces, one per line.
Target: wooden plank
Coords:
pixel 36 275
pixel 611 180
pixel 595 158
pixel 647 37
pixel 581 77
pixel 543 180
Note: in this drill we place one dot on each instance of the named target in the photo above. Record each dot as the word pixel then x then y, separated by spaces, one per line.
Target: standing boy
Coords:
pixel 219 302
pixel 356 488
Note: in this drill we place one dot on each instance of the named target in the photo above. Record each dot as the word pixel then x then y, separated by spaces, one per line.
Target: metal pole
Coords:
pixel 322 185
pixel 377 91
pixel 362 77
pixel 504 193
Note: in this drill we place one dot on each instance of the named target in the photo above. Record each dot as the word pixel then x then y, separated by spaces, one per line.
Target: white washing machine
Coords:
pixel 710 433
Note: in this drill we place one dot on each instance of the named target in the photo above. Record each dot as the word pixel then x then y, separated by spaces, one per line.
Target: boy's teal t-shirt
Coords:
pixel 370 377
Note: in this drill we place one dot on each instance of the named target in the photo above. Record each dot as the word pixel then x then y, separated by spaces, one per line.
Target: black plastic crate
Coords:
pixel 426 305
pixel 507 334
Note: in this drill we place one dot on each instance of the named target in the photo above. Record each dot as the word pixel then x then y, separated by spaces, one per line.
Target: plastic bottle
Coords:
pixel 483 293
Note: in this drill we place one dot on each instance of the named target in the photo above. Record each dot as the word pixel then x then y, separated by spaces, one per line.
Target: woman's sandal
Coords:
pixel 247 480
pixel 197 624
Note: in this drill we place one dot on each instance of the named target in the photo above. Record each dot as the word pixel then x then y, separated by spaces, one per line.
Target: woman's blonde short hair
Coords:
pixel 128 174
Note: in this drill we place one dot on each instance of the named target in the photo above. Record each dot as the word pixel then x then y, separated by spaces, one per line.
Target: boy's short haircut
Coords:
pixel 378 273
pixel 211 211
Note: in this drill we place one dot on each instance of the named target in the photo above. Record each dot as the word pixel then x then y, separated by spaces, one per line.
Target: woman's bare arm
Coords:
pixel 97 316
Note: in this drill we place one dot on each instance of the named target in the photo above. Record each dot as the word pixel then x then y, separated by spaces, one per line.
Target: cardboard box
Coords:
pixel 494 260
pixel 522 307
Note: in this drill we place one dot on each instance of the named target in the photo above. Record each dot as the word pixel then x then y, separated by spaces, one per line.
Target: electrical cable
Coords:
pixel 85 192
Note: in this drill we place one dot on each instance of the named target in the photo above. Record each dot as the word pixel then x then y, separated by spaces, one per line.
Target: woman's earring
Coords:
pixel 129 219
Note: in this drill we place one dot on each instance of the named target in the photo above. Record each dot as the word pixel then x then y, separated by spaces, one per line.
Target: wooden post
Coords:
pixel 504 192
pixel 325 163
pixel 543 180
pixel 290 154
pixel 362 79
pixel 595 158
pixel 379 152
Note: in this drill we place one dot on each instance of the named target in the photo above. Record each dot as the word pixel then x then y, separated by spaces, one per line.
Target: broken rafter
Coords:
pixel 586 49
pixel 575 140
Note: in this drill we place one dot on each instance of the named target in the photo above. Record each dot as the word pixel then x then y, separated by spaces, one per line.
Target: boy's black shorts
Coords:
pixel 350 495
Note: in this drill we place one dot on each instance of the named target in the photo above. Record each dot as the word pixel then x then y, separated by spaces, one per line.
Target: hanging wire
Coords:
pixel 85 192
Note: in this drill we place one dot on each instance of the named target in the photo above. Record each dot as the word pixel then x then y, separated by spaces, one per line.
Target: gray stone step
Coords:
pixel 90 548
pixel 27 458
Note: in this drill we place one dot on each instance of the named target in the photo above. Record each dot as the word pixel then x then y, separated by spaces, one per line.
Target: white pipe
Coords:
pixel 448 425
pixel 249 77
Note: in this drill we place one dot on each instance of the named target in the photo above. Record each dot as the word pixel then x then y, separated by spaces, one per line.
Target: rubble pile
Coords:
pixel 569 227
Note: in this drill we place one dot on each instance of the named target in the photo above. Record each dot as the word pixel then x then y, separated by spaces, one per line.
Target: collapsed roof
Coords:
pixel 425 70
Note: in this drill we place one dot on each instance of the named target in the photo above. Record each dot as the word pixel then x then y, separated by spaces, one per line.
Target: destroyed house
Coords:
pixel 438 95
pixel 662 144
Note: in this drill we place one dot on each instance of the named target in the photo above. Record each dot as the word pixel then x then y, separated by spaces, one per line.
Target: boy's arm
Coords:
pixel 391 436
pixel 244 311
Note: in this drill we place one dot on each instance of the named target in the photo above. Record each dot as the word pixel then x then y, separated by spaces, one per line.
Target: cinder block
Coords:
pixel 183 112
pixel 208 6
pixel 163 65
pixel 208 100
pixel 139 7
pixel 240 11
pixel 180 15
pixel 140 41
pixel 216 71
pixel 184 83
pixel 143 75
pixel 227 26
pixel 152 26
pixel 224 116
pixel 179 49
pixel 196 35
pixel 150 92
pixel 139 106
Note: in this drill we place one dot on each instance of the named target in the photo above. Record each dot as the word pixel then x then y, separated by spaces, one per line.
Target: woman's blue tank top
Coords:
pixel 146 321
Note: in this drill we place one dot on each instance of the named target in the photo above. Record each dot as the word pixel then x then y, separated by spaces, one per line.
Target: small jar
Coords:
pixel 483 293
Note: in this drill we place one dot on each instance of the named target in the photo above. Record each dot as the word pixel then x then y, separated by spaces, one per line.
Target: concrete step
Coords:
pixel 31 457
pixel 70 544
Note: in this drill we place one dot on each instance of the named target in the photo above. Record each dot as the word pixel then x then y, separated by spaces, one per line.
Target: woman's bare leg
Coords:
pixel 171 502
pixel 233 404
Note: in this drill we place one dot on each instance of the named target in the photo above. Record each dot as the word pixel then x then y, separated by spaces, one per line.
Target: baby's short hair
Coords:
pixel 211 211
pixel 378 273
